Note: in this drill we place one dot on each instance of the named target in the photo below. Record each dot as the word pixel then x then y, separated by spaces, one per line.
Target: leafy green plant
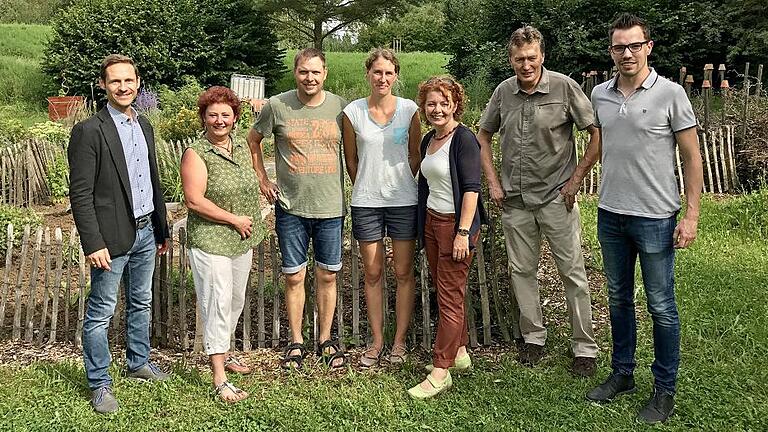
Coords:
pixel 19 217
pixel 49 131
pixel 57 177
pixel 11 130
pixel 183 125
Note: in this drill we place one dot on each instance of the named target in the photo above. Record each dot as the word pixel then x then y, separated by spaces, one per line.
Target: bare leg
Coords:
pixel 219 376
pixel 372 265
pixel 294 305
pixel 326 305
pixel 406 284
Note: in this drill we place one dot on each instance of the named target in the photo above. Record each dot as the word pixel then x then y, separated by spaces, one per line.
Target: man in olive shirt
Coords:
pixel 308 196
pixel 535 112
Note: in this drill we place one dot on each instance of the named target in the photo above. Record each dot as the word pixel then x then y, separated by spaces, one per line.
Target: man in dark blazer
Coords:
pixel 120 214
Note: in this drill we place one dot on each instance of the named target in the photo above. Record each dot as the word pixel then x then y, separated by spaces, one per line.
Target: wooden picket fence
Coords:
pixel 23 171
pixel 46 281
pixel 718 156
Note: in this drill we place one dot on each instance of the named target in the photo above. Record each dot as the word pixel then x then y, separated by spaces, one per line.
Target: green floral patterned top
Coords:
pixel 233 186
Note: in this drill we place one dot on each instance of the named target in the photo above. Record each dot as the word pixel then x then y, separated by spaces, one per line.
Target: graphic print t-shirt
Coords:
pixel 307 153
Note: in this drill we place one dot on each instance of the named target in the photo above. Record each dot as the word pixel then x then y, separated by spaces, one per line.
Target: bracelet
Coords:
pixel 463 232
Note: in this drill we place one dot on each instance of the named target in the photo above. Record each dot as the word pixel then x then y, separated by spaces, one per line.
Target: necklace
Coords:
pixel 438 138
pixel 227 148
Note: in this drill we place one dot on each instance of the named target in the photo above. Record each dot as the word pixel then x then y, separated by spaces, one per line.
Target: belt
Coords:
pixel 143 221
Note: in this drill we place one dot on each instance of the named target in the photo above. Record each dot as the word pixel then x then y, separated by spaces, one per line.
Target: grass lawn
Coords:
pixel 346 72
pixel 723 383
pixel 23 87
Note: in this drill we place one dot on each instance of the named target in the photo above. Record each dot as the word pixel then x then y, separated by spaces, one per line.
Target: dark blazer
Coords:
pixel 464 163
pixel 99 190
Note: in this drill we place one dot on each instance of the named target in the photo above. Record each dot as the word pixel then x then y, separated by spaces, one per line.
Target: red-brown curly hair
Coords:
pixel 448 87
pixel 217 94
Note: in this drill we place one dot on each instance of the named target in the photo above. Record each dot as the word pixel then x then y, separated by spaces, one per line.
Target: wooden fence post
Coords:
pixel 46 285
pixel 759 82
pixel 745 111
pixel 68 275
pixel 426 335
pixel 6 272
pixel 19 287
pixel 262 285
pixel 484 300
pixel 355 292
pixel 59 249
pixel 80 300
pixel 709 166
pixel 183 288
pixel 497 305
pixel 275 293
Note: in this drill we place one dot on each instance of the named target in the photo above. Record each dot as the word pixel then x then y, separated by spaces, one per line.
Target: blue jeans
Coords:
pixel 136 268
pixel 294 233
pixel 622 239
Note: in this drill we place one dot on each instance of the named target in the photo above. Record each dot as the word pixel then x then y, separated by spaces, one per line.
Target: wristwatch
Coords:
pixel 463 232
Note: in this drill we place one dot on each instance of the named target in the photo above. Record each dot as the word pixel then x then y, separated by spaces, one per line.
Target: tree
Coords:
pixel 420 28
pixel 317 19
pixel 168 39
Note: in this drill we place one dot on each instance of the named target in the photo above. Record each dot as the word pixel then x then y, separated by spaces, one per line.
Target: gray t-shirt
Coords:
pixel 307 153
pixel 536 134
pixel 638 146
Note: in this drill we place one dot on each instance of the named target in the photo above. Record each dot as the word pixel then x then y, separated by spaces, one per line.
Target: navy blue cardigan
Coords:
pixel 464 162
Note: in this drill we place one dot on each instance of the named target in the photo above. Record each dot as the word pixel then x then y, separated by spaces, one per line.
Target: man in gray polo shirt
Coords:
pixel 641 117
pixel 535 112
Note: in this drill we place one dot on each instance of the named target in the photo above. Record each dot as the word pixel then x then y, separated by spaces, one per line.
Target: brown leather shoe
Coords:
pixel 583 366
pixel 232 364
pixel 531 354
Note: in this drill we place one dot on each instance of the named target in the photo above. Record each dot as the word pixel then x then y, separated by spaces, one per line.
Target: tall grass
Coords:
pixel 346 73
pixel 24 40
pixel 23 86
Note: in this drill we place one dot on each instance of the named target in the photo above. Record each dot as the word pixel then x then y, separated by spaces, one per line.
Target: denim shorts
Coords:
pixel 294 233
pixel 374 223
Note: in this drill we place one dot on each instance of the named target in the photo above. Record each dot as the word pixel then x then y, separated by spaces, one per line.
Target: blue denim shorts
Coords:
pixel 294 233
pixel 374 223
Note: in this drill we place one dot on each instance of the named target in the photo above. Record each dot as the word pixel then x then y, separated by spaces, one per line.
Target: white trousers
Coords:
pixel 220 284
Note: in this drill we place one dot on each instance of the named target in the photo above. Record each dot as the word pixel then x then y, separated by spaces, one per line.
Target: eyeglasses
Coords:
pixel 633 47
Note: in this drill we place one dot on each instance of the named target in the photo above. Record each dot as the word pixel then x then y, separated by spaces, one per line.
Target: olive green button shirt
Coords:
pixel 536 131
pixel 233 186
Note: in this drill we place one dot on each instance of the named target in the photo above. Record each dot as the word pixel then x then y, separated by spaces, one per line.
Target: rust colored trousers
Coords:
pixel 450 279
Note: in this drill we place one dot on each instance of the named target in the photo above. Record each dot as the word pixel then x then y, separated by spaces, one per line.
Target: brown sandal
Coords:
pixel 369 360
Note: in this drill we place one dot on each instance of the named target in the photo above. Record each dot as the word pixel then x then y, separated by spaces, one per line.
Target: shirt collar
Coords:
pixel 541 87
pixel 649 81
pixel 118 116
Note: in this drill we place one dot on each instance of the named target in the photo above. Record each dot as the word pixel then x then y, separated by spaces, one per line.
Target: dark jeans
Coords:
pixel 622 239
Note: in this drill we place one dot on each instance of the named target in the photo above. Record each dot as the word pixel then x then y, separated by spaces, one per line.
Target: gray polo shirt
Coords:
pixel 638 145
pixel 536 131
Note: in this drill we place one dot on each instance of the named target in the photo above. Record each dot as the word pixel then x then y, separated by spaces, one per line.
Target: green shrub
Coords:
pixel 19 217
pixel 184 125
pixel 11 130
pixel 49 131
pixel 57 177
pixel 167 38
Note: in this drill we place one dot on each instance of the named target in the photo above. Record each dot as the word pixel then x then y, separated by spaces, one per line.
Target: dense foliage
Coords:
pixel 687 33
pixel 19 217
pixel 168 39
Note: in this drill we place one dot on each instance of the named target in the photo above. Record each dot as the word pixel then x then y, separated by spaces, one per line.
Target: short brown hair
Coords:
pixel 306 54
pixel 448 87
pixel 115 59
pixel 217 94
pixel 627 21
pixel 525 35
pixel 384 53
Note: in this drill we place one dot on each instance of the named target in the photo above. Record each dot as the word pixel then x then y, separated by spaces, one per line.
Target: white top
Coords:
pixel 384 178
pixel 436 168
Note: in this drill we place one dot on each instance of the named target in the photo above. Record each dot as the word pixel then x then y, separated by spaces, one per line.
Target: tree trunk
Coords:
pixel 317 36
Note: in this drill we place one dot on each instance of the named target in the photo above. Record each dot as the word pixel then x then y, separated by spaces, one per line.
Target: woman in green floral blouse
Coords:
pixel 224 224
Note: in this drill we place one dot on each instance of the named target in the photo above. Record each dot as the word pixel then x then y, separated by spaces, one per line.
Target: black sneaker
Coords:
pixel 658 409
pixel 615 385
pixel 531 354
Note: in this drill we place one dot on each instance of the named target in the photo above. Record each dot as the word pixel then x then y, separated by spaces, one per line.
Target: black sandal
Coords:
pixel 329 358
pixel 289 359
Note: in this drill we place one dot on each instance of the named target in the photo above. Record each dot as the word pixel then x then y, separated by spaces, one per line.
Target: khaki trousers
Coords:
pixel 523 231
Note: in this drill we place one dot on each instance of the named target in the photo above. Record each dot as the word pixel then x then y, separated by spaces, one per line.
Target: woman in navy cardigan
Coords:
pixel 450 213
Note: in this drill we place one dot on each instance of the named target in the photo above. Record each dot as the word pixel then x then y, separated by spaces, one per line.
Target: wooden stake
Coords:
pixel 485 307
pixel 46 285
pixel 68 280
pixel 183 288
pixel 58 242
pixel 745 111
pixel 275 294
pixel 426 335
pixel 32 293
pixel 17 300
pixel 469 312
pixel 723 163
pixel 246 315
pixel 735 174
pixel 709 166
pixel 713 141
pixel 80 301
pixel 260 302
pixel 6 272
pixel 355 268
pixel 497 305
